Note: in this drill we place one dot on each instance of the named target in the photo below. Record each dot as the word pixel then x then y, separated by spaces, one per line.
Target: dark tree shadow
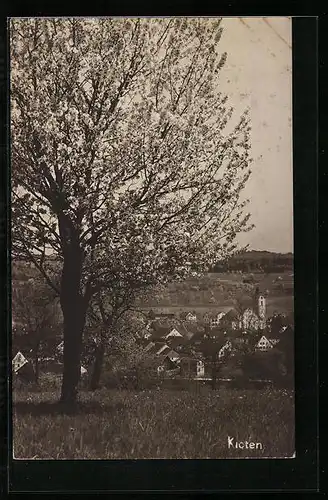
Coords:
pixel 58 408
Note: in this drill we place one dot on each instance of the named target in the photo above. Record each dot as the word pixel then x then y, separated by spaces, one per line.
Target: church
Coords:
pixel 254 317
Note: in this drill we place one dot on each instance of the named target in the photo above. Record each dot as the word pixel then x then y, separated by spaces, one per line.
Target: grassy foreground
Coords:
pixel 112 424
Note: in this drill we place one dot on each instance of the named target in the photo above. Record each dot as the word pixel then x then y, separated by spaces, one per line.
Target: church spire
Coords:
pixel 260 306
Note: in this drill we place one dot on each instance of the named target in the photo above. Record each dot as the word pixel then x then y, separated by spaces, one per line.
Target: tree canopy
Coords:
pixel 126 160
pixel 118 129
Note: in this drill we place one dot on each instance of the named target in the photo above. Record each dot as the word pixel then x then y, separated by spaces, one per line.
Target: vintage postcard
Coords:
pixel 152 238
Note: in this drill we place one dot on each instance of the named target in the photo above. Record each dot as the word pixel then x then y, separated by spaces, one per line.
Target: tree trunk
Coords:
pixel 97 366
pixel 73 332
pixel 36 364
pixel 74 308
pixel 100 351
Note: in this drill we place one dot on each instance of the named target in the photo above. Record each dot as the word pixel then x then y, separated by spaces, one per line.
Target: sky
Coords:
pixel 258 73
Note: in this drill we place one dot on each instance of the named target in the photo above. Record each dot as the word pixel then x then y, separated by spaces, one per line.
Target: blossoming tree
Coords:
pixel 121 139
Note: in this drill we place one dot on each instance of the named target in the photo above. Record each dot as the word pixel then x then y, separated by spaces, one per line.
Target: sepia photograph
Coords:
pixel 152 252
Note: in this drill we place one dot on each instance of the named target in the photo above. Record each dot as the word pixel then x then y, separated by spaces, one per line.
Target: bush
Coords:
pixel 131 378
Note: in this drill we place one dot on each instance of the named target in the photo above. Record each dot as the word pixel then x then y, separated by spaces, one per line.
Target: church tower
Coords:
pixel 260 307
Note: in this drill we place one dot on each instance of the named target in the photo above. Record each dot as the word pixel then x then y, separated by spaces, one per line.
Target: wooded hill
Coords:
pixel 257 260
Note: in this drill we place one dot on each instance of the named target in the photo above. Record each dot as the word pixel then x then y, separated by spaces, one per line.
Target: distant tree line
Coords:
pixel 253 261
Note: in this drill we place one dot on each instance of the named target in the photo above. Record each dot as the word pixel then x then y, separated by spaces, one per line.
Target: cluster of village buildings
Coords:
pixel 176 344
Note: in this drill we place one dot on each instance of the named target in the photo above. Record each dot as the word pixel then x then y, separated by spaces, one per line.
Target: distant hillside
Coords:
pixel 219 290
pixel 246 262
pixel 263 254
pixel 257 260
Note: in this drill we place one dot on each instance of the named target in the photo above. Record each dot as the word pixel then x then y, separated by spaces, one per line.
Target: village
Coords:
pixel 241 344
pixel 193 346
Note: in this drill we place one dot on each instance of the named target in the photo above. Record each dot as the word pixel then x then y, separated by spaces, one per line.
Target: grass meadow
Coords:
pixel 154 424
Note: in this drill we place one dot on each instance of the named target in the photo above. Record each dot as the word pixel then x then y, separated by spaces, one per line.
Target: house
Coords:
pixel 166 359
pixel 156 348
pixel 166 366
pixel 18 362
pixel 189 316
pixel 227 347
pixel 206 318
pixel 274 342
pixel 173 356
pixel 173 333
pixel 215 319
pixel 84 371
pixel 168 363
pixel 263 344
pixel 182 330
pixel 162 348
pixel 149 346
pixel 170 334
pixel 287 331
pixel 200 368
pixel 60 348
pixel 280 339
pixel 22 368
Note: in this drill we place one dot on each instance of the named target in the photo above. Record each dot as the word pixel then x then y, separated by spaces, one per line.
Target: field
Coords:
pixel 111 424
pixel 217 292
